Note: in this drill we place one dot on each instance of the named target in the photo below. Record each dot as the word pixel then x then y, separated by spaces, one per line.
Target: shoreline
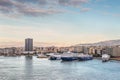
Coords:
pixel 117 59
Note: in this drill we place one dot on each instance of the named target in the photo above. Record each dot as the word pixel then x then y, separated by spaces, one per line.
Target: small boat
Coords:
pixel 68 56
pixel 41 56
pixel 105 57
pixel 54 57
pixel 84 57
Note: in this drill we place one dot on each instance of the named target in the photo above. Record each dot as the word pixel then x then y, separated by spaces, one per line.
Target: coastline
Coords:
pixel 117 59
pixel 99 58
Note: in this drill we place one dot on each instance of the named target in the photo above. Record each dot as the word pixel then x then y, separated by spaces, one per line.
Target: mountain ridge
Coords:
pixel 43 44
pixel 102 43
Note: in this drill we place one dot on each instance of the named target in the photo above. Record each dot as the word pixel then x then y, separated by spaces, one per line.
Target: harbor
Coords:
pixel 69 56
pixel 117 59
pixel 59 40
pixel 33 68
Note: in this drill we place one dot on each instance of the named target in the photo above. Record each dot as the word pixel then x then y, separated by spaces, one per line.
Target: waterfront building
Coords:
pixel 28 44
pixel 92 50
pixel 71 49
pixel 99 51
pixel 116 51
pixel 9 51
pixel 1 51
pixel 76 49
pixel 63 49
pixel 107 50
pixel 19 50
pixel 86 50
pixel 45 50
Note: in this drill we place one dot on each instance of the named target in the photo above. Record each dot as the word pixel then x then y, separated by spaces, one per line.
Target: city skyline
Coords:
pixel 61 22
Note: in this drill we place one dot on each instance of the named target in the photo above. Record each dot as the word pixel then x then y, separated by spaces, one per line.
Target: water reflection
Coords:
pixel 28 66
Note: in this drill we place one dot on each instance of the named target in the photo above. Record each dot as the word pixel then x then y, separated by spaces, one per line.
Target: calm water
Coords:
pixel 32 68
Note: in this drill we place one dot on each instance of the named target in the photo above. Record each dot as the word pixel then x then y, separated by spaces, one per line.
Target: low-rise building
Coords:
pixel 76 49
pixel 1 51
pixel 92 50
pixel 86 50
pixel 116 51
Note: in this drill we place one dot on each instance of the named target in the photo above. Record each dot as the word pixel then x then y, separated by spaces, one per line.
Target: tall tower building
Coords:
pixel 29 44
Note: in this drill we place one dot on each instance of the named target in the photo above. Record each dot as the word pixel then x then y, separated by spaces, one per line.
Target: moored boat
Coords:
pixel 105 57
pixel 68 56
pixel 55 57
pixel 84 57
pixel 41 56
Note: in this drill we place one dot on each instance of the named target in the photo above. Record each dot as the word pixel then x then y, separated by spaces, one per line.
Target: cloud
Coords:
pixel 37 12
pixel 72 2
pixel 37 7
pixel 5 5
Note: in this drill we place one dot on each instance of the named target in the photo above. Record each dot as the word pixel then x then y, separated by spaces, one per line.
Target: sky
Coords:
pixel 59 22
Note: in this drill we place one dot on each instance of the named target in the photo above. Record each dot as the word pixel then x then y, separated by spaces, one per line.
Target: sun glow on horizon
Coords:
pixel 59 22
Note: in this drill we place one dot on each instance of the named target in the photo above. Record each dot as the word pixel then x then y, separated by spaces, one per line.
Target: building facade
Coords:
pixel 29 44
pixel 116 51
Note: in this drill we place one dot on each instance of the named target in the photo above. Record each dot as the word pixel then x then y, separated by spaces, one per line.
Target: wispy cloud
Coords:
pixel 72 2
pixel 37 7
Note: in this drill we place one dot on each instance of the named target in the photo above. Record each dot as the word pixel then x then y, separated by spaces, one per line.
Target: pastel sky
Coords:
pixel 63 22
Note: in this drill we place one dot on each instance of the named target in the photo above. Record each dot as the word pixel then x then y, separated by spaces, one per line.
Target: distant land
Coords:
pixel 102 43
pixel 43 44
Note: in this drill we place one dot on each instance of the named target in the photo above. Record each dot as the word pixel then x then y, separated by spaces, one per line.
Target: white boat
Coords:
pixel 54 57
pixel 105 57
pixel 41 56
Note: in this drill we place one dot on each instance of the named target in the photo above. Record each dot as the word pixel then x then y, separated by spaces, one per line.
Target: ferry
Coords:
pixel 69 56
pixel 105 57
pixel 84 57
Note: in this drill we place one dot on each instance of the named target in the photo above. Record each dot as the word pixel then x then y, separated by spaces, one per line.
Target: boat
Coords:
pixel 54 57
pixel 105 57
pixel 41 56
pixel 68 56
pixel 84 57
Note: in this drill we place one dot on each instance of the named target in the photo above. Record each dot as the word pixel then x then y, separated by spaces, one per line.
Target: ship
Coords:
pixel 105 57
pixel 54 56
pixel 84 57
pixel 69 56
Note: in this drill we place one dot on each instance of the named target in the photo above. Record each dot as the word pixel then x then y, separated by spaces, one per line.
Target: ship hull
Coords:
pixel 68 58
pixel 54 58
pixel 84 58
